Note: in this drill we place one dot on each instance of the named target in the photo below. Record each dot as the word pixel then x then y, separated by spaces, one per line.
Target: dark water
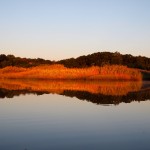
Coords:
pixel 74 116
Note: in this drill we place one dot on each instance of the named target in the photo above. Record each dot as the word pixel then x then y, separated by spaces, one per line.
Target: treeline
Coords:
pixel 95 59
pixel 11 60
pixel 108 58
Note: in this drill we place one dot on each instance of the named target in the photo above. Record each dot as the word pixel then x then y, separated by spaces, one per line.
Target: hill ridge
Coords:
pixel 94 59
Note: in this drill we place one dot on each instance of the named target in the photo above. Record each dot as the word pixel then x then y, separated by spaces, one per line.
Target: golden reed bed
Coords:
pixel 107 72
pixel 58 86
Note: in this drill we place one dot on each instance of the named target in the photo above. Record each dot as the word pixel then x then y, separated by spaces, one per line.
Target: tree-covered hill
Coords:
pixel 102 58
pixel 95 59
pixel 11 60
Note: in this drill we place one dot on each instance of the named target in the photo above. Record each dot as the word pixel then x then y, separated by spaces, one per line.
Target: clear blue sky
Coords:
pixel 59 29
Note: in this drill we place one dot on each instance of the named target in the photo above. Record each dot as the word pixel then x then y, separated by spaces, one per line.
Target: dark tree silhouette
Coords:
pixel 95 59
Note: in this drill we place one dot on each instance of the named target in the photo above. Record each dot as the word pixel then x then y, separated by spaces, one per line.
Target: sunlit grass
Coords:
pixel 107 72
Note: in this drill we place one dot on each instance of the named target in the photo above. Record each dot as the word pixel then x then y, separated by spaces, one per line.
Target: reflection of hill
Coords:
pixel 109 99
pixel 51 86
pixel 95 92
pixel 11 93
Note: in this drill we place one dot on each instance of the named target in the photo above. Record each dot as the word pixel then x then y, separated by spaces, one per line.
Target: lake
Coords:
pixel 76 115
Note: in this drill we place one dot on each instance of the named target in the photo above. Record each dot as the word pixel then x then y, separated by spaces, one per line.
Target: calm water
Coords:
pixel 82 115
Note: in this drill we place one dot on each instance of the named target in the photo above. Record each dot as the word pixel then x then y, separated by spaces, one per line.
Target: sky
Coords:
pixel 60 29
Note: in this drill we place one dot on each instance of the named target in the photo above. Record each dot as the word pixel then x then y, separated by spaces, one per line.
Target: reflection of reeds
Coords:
pixel 58 86
pixel 114 72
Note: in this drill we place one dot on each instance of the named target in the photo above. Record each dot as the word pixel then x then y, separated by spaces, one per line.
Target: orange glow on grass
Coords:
pixel 107 72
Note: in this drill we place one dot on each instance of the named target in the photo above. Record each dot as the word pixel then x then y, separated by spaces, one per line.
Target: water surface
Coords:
pixel 43 115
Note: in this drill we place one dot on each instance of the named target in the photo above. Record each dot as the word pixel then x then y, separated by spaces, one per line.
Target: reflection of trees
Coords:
pixel 11 93
pixel 82 95
pixel 97 92
pixel 109 99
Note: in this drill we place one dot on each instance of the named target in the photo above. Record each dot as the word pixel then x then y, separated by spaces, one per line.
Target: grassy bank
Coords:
pixel 107 72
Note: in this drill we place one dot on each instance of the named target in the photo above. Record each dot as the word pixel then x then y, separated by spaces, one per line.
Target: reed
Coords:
pixel 107 72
